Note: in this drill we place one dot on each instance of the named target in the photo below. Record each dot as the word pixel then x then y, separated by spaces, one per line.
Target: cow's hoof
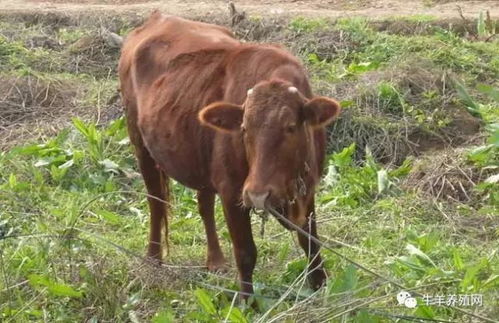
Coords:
pixel 217 265
pixel 153 260
pixel 317 278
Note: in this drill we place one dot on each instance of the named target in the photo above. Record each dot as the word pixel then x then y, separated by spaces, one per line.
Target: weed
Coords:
pixel 301 24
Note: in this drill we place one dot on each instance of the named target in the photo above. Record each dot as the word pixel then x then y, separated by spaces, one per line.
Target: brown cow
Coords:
pixel 227 118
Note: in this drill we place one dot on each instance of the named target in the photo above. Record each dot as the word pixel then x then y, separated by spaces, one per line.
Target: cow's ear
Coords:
pixel 320 111
pixel 222 116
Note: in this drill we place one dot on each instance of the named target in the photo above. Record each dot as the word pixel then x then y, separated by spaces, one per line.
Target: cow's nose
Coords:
pixel 258 199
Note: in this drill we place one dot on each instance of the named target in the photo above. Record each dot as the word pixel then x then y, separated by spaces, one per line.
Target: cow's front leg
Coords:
pixel 239 224
pixel 316 273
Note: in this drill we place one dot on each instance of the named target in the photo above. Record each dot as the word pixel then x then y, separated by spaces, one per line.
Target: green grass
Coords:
pixel 69 203
pixel 74 217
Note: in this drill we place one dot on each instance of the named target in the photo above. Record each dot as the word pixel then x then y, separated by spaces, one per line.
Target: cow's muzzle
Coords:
pixel 258 200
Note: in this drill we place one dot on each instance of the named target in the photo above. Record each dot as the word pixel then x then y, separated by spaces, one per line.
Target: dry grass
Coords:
pixel 390 134
pixel 394 130
pixel 481 227
pixel 31 107
pixel 56 20
pixel 446 175
pixel 93 55
pixel 407 27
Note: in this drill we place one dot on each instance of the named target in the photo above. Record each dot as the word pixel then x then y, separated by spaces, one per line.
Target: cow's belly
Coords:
pixel 179 148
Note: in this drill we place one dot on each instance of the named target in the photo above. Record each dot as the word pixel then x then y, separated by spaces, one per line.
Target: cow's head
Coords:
pixel 277 125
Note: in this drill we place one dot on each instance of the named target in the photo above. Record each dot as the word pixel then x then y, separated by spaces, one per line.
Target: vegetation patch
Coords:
pixel 93 54
pixel 428 25
pixel 410 188
pixel 447 175
pixel 30 105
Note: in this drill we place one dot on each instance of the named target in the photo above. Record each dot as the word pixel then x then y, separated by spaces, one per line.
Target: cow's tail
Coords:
pixel 164 221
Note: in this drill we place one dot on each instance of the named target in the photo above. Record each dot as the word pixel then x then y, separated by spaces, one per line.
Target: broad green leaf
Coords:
pixel 283 253
pixel 458 262
pixel 295 268
pixel 480 25
pixel 415 251
pixel 344 157
pixel 383 181
pixel 370 161
pixel 234 315
pixel 109 165
pixel 108 216
pixel 485 155
pixel 403 169
pixel 54 288
pixel 28 150
pixel 42 162
pixel 124 141
pixel 6 312
pixel 358 68
pixel 204 299
pixel 346 281
pixel 165 316
pixel 12 181
pixel 80 126
pixel 408 262
pixel 466 98
pixel 346 104
pixel 115 126
pixel 331 175
pixel 471 276
pixel 67 164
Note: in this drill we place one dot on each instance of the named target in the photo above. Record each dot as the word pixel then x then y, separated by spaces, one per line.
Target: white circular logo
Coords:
pixel 402 296
pixel 410 302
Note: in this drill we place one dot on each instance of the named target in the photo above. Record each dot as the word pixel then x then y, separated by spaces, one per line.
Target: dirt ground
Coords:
pixel 318 8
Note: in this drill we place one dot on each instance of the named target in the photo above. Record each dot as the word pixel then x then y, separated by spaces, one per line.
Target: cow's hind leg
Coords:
pixel 157 187
pixel 206 203
pixel 155 180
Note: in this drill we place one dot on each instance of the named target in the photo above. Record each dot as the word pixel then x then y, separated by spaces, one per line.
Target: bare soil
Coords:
pixel 316 8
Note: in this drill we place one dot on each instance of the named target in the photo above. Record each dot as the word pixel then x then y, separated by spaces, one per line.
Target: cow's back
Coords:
pixel 169 69
pixel 149 49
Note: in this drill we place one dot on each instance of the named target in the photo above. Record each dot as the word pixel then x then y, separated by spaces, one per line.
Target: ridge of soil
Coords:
pixel 314 8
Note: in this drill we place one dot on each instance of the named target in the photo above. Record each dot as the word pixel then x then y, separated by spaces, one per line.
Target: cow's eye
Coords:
pixel 291 128
pixel 243 129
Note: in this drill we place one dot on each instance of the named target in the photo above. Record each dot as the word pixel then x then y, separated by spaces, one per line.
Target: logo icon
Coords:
pixel 404 298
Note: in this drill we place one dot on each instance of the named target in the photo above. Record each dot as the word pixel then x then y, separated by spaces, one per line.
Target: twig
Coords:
pixel 460 10
pixel 235 16
pixel 231 307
